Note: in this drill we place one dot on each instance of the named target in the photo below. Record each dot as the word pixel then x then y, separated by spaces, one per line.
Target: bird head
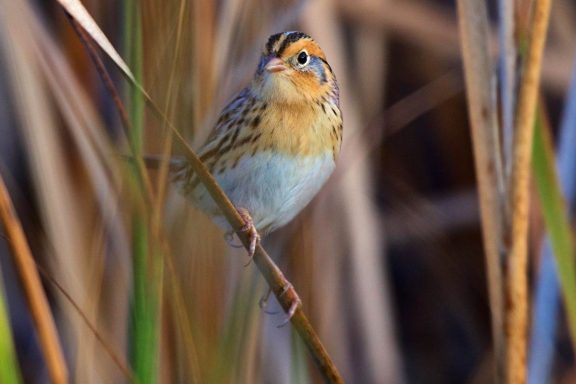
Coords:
pixel 293 69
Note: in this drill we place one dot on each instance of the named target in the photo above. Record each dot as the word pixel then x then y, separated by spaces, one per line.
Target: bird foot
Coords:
pixel 229 237
pixel 263 303
pixel 253 236
pixel 296 302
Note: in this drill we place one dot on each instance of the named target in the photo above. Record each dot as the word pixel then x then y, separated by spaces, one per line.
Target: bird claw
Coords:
pixel 249 228
pixel 254 239
pixel 229 237
pixel 263 303
pixel 293 307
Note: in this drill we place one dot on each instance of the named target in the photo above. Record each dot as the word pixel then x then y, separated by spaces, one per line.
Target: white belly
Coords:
pixel 272 187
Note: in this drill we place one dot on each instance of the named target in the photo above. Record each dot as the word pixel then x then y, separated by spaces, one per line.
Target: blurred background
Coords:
pixel 388 259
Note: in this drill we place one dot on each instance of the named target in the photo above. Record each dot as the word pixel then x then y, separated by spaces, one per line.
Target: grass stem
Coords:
pixel 33 290
pixel 519 198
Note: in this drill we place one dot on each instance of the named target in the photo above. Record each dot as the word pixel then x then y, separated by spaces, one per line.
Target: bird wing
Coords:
pixel 229 116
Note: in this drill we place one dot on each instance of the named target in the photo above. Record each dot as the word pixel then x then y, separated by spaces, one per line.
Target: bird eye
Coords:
pixel 303 58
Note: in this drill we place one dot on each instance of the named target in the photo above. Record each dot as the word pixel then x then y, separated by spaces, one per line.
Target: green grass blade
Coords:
pixel 145 307
pixel 556 219
pixel 9 369
pixel 146 270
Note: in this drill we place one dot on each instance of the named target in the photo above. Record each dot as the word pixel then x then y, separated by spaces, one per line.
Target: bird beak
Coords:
pixel 275 65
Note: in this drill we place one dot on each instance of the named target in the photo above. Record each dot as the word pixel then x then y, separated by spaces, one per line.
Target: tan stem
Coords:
pixel 35 295
pixel 478 70
pixel 519 198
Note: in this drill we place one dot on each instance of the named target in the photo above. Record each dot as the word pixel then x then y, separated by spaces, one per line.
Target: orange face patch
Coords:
pixel 309 45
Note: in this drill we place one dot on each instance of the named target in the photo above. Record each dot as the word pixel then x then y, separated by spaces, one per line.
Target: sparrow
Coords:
pixel 276 142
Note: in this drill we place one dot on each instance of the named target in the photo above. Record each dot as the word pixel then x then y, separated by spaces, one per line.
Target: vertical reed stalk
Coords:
pixel 519 198
pixel 474 31
pixel 146 268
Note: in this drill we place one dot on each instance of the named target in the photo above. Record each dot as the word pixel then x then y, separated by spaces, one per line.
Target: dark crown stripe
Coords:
pixel 271 41
pixel 291 37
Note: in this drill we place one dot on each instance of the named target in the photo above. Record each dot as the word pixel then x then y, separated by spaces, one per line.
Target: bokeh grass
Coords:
pixel 389 259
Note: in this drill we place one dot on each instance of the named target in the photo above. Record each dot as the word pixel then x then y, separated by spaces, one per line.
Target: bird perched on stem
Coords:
pixel 276 143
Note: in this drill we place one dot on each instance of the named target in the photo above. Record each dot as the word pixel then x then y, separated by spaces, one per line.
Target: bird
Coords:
pixel 275 143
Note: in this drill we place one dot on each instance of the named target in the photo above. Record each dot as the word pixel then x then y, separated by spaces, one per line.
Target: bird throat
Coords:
pixel 302 129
